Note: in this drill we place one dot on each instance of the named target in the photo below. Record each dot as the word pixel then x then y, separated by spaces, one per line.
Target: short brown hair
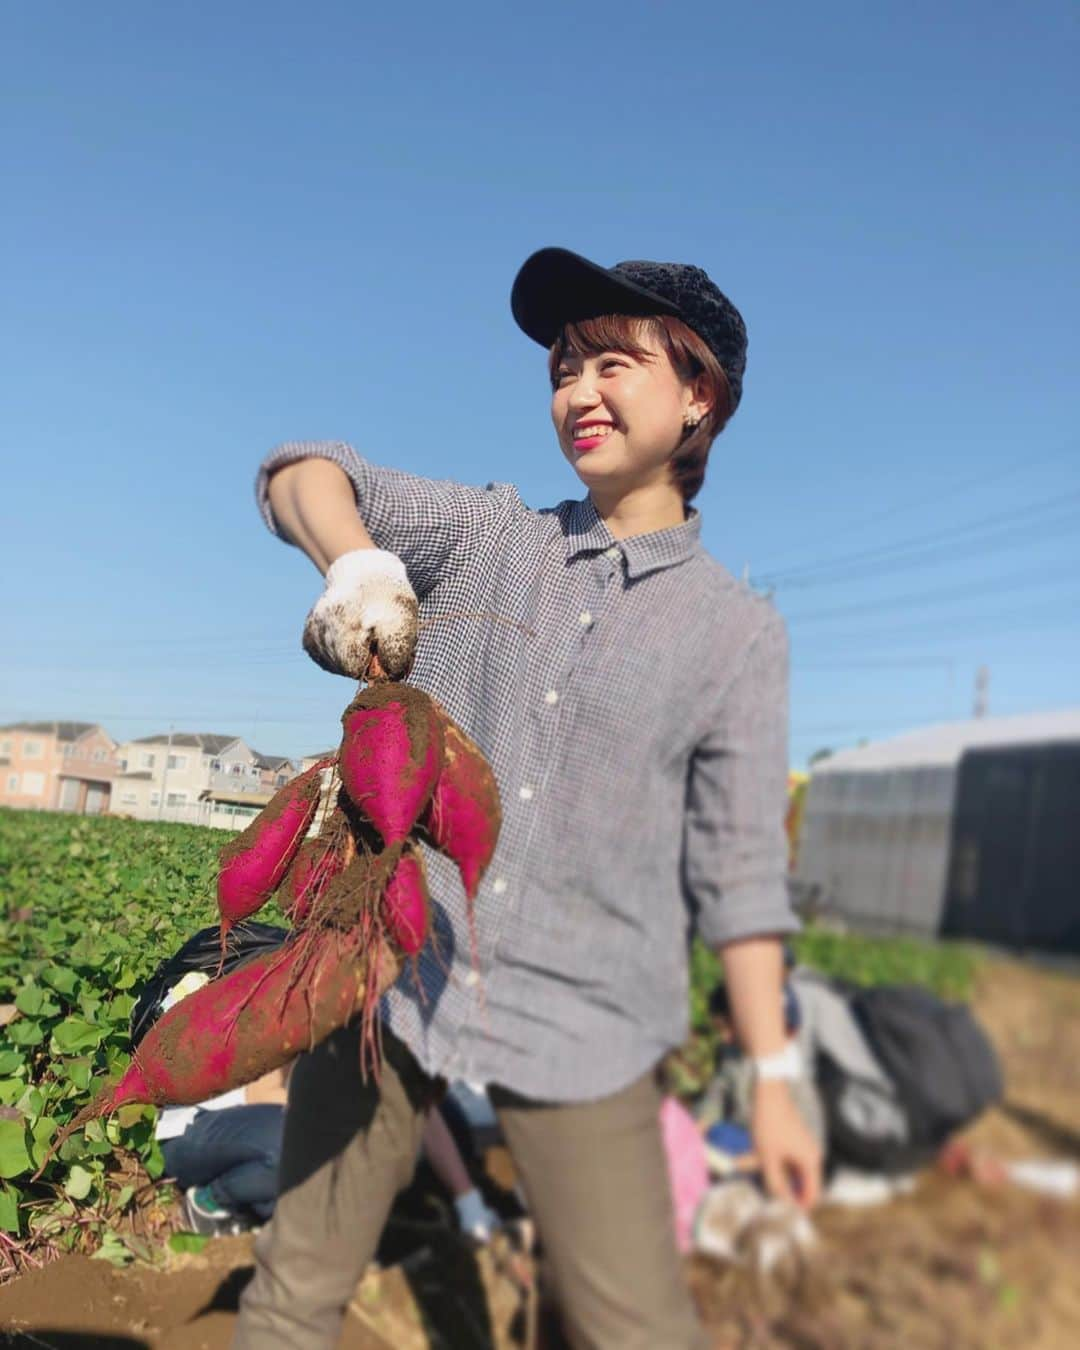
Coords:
pixel 689 356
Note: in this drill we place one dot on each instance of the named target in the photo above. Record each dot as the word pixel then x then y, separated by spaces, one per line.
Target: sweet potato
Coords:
pixel 242 1025
pixel 463 817
pixel 254 863
pixel 390 756
pixel 317 862
pixel 406 904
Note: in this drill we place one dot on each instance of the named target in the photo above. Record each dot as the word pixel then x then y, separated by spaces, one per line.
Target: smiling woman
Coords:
pixel 680 363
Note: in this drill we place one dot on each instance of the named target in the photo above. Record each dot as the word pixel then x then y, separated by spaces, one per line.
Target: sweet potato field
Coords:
pixel 88 907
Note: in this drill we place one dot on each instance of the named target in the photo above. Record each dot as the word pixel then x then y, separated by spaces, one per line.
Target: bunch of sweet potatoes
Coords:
pixel 354 888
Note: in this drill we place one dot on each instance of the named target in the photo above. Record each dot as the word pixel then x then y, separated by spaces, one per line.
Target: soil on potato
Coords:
pixel 953 1265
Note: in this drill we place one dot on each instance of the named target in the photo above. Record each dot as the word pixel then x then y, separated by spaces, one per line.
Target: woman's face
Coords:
pixel 619 417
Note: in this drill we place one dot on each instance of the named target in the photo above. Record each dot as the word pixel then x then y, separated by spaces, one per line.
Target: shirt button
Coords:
pixel 552 696
pixel 585 618
pixel 525 793
pixel 499 885
pixel 472 979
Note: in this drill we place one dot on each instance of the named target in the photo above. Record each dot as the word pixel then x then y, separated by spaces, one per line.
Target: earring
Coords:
pixel 690 423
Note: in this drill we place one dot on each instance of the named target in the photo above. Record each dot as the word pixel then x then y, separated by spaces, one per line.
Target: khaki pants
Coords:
pixel 594 1175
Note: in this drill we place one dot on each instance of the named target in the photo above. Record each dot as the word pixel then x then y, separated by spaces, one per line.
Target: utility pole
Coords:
pixel 982 691
pixel 165 776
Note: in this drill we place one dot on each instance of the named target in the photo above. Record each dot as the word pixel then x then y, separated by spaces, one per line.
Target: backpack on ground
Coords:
pixel 939 1062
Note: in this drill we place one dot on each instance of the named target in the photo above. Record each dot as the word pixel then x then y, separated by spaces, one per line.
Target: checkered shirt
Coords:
pixel 631 697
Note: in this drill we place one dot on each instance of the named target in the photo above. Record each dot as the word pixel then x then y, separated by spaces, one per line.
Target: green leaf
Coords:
pixel 11 1089
pixel 113 1250
pixel 61 979
pixel 154 1162
pixel 9 1208
pixel 14 1157
pixel 79 1182
pixel 26 1032
pixel 79 1072
pixel 75 1034
pixel 188 1242
pixel 29 999
pixel 123 1195
pixel 31 1103
pixel 41 1133
pixel 10 1060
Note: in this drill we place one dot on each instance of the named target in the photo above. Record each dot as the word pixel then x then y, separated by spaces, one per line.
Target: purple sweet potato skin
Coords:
pixel 464 816
pixel 315 866
pixel 254 863
pixel 390 756
pixel 406 905
pixel 248 1022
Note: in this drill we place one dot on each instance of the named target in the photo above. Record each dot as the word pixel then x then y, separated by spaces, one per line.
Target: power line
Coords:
pixel 984 586
pixel 944 494
pixel 993 525
pixel 954 626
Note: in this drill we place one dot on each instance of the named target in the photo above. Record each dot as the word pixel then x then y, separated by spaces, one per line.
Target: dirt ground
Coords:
pixel 955 1264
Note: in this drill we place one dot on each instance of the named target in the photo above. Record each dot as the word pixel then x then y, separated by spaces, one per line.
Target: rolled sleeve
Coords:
pixel 735 845
pixel 433 525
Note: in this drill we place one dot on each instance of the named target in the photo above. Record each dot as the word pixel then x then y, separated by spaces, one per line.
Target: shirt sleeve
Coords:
pixel 736 846
pixel 433 525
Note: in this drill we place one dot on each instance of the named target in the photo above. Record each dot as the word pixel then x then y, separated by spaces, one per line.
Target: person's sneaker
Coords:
pixel 203 1214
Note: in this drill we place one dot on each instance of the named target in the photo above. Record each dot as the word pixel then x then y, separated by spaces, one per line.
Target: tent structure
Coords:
pixel 966 829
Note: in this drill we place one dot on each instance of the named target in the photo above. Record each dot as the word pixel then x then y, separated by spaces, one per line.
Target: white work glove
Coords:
pixel 368 605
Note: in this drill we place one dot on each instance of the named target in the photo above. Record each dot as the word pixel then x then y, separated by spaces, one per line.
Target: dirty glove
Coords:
pixel 367 605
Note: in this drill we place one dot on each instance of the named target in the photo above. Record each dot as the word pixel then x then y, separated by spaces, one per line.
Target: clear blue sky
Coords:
pixel 227 225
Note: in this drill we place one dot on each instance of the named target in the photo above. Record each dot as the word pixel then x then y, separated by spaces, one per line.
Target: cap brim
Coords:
pixel 555 287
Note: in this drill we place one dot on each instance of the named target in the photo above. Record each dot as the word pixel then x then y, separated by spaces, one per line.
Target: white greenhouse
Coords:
pixel 966 829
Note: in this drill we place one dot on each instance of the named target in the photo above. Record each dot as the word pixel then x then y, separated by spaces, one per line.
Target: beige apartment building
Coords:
pixel 196 778
pixel 57 766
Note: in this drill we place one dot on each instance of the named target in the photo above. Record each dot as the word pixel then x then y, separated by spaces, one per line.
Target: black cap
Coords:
pixel 555 287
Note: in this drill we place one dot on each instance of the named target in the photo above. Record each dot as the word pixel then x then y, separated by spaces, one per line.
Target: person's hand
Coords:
pixel 789 1155
pixel 368 605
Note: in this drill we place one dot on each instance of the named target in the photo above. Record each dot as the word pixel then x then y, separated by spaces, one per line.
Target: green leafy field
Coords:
pixel 88 907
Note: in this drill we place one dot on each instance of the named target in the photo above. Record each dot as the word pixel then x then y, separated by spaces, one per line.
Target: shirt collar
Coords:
pixel 644 553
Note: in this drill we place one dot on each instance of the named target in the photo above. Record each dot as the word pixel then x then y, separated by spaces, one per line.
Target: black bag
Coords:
pixel 938 1059
pixel 201 952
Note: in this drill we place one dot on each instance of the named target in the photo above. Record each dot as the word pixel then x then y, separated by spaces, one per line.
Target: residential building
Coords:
pixel 50 766
pixel 275 771
pixel 197 778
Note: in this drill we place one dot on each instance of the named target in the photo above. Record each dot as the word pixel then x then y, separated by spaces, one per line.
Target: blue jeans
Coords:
pixel 235 1152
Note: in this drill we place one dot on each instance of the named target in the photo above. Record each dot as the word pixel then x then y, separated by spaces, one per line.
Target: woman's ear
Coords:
pixel 702 399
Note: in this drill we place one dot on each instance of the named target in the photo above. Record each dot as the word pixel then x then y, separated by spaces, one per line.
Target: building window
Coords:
pixel 129 799
pixel 32 750
pixel 177 762
pixel 236 770
pixel 176 799
pixel 280 780
pixel 155 799
pixel 146 760
pixel 34 784
pixel 13 782
pixel 69 749
pixel 5 747
pixel 99 756
pixel 215 765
